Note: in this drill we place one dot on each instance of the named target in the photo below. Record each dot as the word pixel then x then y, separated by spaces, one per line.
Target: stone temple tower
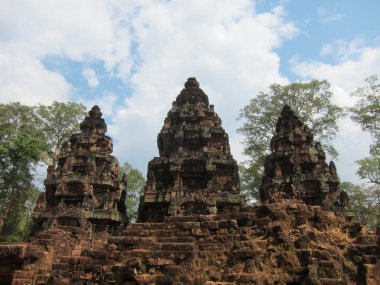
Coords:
pixel 83 190
pixel 297 168
pixel 195 172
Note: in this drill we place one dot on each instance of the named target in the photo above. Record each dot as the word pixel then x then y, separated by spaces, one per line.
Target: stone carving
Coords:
pixel 84 180
pixel 195 172
pixel 297 168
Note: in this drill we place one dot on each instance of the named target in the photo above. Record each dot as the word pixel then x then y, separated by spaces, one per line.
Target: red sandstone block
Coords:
pixel 199 233
pixel 229 224
pixel 263 222
pixel 172 270
pixel 212 247
pixel 176 247
pixel 222 232
pixel 261 243
pixel 22 282
pixel 60 266
pixel 35 254
pixel 210 225
pixel 332 281
pixel 223 238
pixel 175 239
pixel 183 226
pixel 219 283
pixel 163 233
pixel 19 274
pixel 160 261
pixel 147 278
pixel 180 255
pixel 247 278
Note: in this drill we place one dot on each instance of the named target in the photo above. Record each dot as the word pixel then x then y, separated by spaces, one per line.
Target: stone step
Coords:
pixel 46 235
pixel 60 266
pixel 145 254
pixel 44 241
pixel 145 226
pixel 20 274
pixel 96 254
pixel 175 239
pixel 125 242
pixel 37 254
pixel 219 283
pixel 193 218
pixel 42 279
pixel 371 259
pixel 153 279
pixel 254 278
pixel 364 249
pixel 158 233
pixel 331 281
pixel 22 282
pixel 372 273
pixel 74 230
pixel 177 247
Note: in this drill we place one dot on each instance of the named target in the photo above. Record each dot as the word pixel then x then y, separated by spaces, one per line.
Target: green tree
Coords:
pixel 21 147
pixel 58 121
pixel 364 203
pixel 28 135
pixel 311 101
pixel 366 113
pixel 135 188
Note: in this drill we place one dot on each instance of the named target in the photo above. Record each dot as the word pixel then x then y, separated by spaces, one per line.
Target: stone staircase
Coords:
pixel 236 248
pixel 40 256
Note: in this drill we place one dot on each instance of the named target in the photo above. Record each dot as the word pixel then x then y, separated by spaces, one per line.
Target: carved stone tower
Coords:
pixel 84 189
pixel 195 172
pixel 297 168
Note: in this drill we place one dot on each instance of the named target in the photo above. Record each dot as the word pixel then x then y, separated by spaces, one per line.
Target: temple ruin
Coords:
pixel 193 228
pixel 83 190
pixel 297 168
pixel 195 172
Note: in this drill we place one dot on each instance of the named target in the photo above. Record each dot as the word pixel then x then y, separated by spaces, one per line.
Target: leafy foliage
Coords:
pixel 370 169
pixel 135 187
pixel 366 112
pixel 311 102
pixel 58 121
pixel 27 134
pixel 364 203
pixel 21 146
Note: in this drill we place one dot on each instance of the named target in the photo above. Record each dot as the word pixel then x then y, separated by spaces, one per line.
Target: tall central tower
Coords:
pixel 195 172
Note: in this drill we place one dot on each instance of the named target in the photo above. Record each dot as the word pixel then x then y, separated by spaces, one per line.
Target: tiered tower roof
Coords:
pixel 83 190
pixel 195 172
pixel 297 168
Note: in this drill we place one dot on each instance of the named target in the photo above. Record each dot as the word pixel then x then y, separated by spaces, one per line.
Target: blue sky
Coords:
pixel 132 57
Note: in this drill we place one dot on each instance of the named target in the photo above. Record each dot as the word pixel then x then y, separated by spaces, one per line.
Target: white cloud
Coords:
pixel 326 16
pixel 107 103
pixel 343 50
pixel 81 31
pixel 24 79
pixel 90 75
pixel 228 48
pixel 348 74
pixel 77 30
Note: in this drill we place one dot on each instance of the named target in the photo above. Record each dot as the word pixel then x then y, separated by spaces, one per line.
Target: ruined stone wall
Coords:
pixel 285 242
